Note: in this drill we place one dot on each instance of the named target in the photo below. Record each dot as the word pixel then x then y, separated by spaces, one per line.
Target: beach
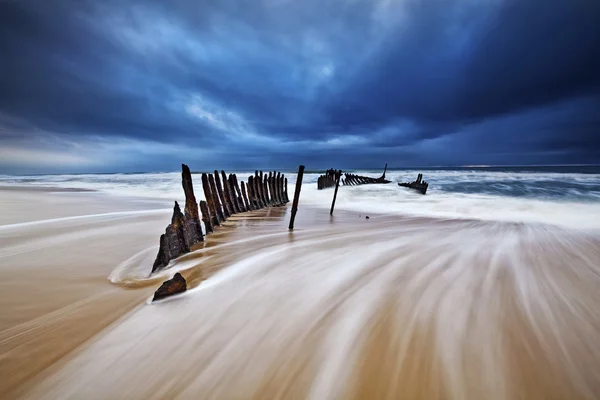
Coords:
pixel 394 306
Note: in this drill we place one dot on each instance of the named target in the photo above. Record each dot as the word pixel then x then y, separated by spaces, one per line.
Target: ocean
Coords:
pixel 568 196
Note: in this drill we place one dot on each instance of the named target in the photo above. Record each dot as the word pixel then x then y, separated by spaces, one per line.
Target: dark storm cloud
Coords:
pixel 142 84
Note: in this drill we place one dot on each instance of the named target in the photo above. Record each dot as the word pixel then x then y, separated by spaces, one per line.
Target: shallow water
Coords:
pixel 395 306
pixel 354 308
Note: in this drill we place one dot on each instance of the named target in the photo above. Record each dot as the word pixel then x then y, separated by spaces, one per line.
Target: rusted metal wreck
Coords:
pixel 328 179
pixel 419 185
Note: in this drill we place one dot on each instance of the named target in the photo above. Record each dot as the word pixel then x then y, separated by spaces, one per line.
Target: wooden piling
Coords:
pixel 265 188
pixel 285 191
pixel 232 195
pixel 276 177
pixel 251 193
pixel 263 195
pixel 276 198
pixel 191 207
pixel 226 207
pixel 219 209
pixel 206 217
pixel 228 194
pixel 240 198
pixel 296 196
pixel 247 203
pixel 271 184
pixel 209 200
pixel 257 189
pixel 337 185
pixel 238 192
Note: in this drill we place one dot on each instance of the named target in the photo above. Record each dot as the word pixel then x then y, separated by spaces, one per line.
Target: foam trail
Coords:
pixel 389 309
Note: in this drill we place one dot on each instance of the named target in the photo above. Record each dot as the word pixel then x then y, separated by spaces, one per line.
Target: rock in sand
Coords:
pixel 173 286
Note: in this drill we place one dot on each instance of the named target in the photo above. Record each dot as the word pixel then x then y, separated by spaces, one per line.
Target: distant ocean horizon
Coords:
pixel 566 195
pixel 558 168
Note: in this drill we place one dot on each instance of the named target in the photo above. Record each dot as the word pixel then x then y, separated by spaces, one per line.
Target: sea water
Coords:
pixel 562 195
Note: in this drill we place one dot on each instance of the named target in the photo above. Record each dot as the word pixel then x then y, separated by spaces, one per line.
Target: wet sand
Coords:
pixel 344 307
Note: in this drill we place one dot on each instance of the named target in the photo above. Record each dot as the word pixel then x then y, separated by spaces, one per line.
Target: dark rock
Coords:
pixel 367 217
pixel 173 286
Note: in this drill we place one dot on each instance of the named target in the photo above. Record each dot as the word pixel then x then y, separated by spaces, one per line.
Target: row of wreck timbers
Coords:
pixel 226 196
pixel 333 178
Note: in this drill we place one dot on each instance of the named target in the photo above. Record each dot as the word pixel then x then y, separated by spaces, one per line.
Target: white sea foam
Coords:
pixel 566 199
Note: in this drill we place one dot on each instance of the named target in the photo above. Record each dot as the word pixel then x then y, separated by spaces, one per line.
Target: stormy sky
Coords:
pixel 143 85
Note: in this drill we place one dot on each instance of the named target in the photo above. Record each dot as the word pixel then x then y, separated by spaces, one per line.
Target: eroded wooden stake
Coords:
pixel 296 195
pixel 337 185
pixel 245 197
pixel 206 217
pixel 240 198
pixel 226 207
pixel 210 200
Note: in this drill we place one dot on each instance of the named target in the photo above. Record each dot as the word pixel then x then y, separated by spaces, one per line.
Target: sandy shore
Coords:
pixel 343 307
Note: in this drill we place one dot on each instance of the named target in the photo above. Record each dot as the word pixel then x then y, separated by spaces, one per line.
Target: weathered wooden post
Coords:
pixel 257 189
pixel 285 192
pixel 296 195
pixel 206 218
pixel 337 185
pixel 232 195
pixel 268 196
pixel 228 194
pixel 277 188
pixel 210 197
pixel 259 204
pixel 245 197
pixel 238 192
pixel 270 182
pixel 384 171
pixel 219 208
pixel 240 199
pixel 276 176
pixel 251 193
pixel 226 207
pixel 192 227
pixel 266 189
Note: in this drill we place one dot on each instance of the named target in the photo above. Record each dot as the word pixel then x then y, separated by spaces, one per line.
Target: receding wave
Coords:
pixel 383 308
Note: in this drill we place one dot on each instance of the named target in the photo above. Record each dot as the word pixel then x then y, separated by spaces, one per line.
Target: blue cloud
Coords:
pixel 144 85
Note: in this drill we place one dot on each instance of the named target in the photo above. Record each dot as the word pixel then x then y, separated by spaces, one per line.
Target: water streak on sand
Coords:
pixel 385 308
